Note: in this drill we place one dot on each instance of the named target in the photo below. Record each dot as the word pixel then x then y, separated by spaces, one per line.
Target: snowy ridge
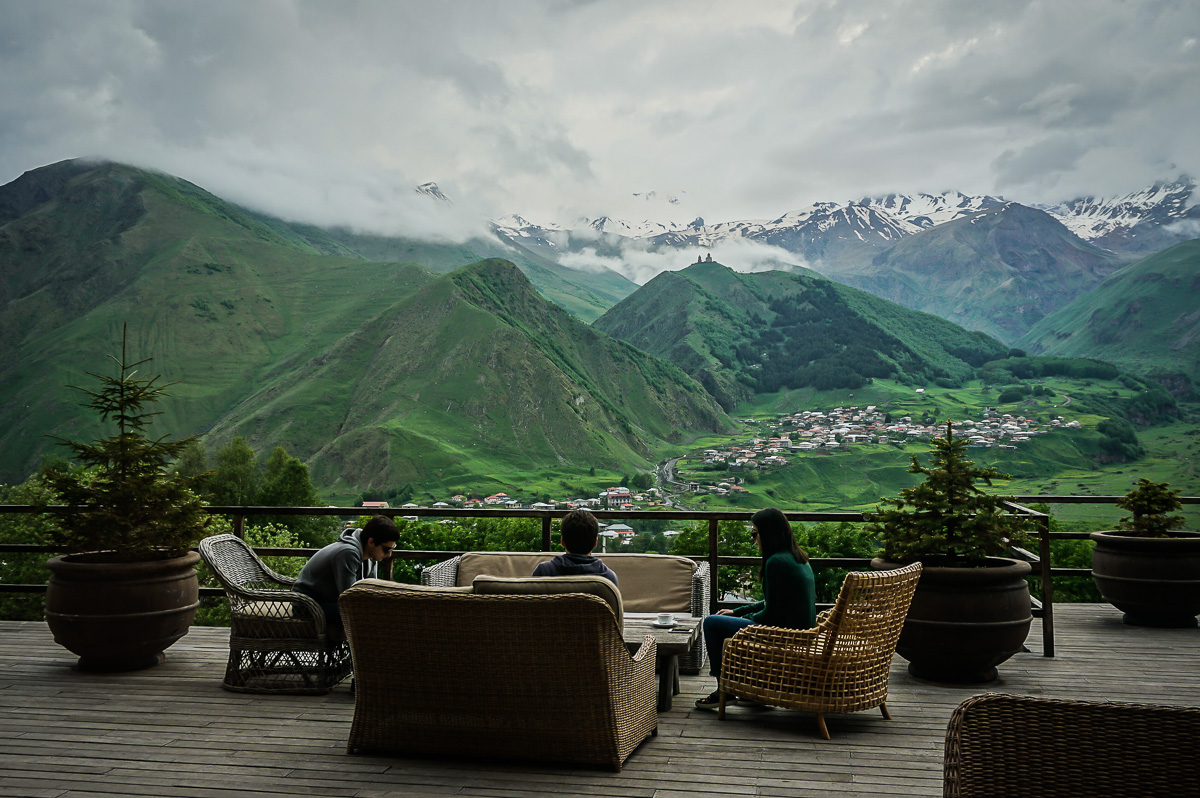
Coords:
pixel 1091 218
pixel 880 220
pixel 929 210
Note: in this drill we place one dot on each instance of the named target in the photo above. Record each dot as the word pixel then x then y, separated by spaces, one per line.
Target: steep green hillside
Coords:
pixel 741 334
pixel 1145 318
pixel 999 271
pixel 220 302
pixel 474 374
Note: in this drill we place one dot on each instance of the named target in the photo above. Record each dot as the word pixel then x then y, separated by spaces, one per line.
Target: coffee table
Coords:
pixel 670 644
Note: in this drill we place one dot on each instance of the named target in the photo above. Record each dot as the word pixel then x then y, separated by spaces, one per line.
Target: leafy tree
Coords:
pixel 734 540
pixel 237 478
pixel 30 529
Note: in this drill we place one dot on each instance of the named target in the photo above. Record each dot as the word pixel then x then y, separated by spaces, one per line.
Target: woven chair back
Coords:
pixel 1008 745
pixel 236 565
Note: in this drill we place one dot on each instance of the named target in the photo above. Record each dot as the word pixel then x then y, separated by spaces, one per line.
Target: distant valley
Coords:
pixel 489 364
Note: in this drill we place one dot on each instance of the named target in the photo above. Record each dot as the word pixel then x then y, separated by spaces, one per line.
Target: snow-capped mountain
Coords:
pixel 1133 222
pixel 929 210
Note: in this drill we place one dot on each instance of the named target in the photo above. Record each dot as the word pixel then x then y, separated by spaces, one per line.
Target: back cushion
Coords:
pixel 649 582
pixel 502 563
pixel 653 582
pixel 541 585
pixel 403 587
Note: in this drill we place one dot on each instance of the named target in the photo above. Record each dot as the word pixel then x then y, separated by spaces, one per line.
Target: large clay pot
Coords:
pixel 1154 581
pixel 963 622
pixel 120 616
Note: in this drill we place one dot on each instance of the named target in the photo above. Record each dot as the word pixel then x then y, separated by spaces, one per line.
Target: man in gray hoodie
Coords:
pixel 580 531
pixel 353 556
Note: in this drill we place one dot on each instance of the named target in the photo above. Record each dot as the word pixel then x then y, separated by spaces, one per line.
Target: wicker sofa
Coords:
pixel 511 674
pixel 650 583
pixel 1001 745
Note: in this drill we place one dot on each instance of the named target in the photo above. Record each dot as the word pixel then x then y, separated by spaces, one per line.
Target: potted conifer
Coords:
pixel 127 588
pixel 1146 567
pixel 972 609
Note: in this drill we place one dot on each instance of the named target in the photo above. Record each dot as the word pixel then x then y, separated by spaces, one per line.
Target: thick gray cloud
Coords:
pixel 332 112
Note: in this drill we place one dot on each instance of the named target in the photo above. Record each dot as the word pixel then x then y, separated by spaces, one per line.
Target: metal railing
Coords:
pixel 1041 560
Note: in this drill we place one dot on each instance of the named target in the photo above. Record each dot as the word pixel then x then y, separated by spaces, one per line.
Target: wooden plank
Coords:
pixel 172 731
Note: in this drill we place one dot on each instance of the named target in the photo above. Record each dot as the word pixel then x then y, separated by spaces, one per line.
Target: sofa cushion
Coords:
pixel 653 582
pixel 648 582
pixel 541 585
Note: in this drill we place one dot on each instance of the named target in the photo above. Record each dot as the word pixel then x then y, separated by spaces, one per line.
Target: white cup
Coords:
pixel 666 618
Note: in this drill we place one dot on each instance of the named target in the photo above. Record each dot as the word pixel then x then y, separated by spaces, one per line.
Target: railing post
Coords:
pixel 714 594
pixel 546 532
pixel 239 526
pixel 1047 586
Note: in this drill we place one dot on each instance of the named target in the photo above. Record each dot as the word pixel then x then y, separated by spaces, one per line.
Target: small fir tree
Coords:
pixel 136 507
pixel 1151 504
pixel 947 519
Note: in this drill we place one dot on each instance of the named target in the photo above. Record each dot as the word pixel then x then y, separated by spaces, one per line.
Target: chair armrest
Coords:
pixel 647 650
pixel 779 637
pixel 442 574
pixel 292 598
pixel 700 590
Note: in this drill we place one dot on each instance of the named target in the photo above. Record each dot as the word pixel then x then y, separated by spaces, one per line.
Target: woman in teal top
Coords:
pixel 789 593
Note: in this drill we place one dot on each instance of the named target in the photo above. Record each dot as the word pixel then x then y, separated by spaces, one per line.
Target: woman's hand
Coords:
pixel 724 612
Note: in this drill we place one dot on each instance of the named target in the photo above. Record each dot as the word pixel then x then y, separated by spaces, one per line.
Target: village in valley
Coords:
pixel 786 437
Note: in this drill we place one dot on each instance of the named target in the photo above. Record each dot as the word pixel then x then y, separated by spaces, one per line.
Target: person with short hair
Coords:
pixel 789 593
pixel 580 531
pixel 355 555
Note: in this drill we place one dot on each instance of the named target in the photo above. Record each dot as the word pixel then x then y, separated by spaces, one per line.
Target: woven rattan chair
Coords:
pixel 840 665
pixel 1007 745
pixel 278 639
pixel 445 671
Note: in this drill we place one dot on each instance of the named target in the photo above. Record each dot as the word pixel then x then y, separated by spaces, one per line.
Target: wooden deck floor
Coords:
pixel 172 731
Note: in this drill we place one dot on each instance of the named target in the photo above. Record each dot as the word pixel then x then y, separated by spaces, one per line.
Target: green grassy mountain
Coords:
pixel 742 334
pixel 231 304
pixel 473 374
pixel 998 271
pixel 1144 318
pixel 221 301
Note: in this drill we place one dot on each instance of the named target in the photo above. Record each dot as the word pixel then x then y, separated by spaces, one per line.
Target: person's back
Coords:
pixel 580 531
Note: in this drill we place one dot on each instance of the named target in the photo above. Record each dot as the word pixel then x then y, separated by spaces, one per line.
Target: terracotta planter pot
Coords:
pixel 963 622
pixel 1154 581
pixel 120 616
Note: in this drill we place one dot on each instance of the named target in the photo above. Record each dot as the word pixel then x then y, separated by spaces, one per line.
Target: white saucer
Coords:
pixel 664 625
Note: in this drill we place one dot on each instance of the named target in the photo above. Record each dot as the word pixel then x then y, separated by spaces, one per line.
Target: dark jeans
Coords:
pixel 717 629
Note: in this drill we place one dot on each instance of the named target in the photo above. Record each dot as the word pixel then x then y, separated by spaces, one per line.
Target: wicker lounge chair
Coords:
pixel 278 640
pixel 840 665
pixel 1007 745
pixel 446 671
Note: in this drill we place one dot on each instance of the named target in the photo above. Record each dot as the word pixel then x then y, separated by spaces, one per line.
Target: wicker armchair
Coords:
pixel 445 671
pixel 1007 745
pixel 278 640
pixel 840 665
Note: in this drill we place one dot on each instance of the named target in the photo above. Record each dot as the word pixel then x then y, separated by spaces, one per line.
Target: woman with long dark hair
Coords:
pixel 789 594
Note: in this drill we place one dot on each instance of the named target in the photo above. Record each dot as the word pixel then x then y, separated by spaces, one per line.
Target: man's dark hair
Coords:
pixel 380 529
pixel 580 529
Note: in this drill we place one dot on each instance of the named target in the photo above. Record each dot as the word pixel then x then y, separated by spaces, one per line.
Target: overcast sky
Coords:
pixel 332 112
